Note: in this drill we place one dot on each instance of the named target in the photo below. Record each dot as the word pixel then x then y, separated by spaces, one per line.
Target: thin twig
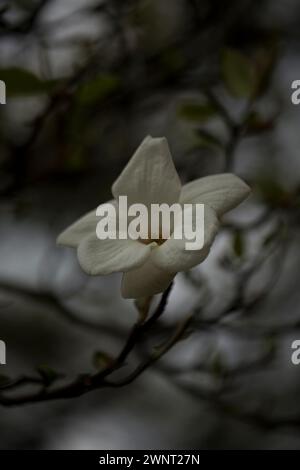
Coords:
pixel 86 383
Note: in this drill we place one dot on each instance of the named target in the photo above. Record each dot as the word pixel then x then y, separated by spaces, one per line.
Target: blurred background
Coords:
pixel 86 81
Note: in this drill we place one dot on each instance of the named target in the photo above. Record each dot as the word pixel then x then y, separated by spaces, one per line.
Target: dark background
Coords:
pixel 86 81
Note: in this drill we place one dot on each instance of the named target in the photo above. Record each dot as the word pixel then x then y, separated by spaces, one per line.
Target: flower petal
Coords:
pixel 108 256
pixel 221 192
pixel 81 229
pixel 150 176
pixel 145 281
pixel 173 256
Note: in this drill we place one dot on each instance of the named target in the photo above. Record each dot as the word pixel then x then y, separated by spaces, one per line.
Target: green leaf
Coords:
pixel 101 360
pixel 97 89
pixel 238 73
pixel 238 244
pixel 21 82
pixel 197 112
pixel 48 375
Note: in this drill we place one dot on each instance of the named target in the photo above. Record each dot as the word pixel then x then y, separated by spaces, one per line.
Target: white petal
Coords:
pixel 80 229
pixel 108 256
pixel 173 255
pixel 150 176
pixel 145 281
pixel 221 192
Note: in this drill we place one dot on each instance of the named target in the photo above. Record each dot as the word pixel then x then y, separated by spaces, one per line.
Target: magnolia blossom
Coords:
pixel 149 266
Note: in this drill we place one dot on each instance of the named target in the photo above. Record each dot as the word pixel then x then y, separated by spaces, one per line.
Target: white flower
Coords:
pixel 150 177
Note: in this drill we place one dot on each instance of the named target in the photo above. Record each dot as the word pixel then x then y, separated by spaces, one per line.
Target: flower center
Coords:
pixel 147 241
pixel 159 239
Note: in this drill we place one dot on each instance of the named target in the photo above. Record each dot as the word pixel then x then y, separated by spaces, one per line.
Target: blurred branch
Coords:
pixel 256 418
pixel 49 301
pixel 88 382
pixel 27 24
pixel 155 356
pixel 143 74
